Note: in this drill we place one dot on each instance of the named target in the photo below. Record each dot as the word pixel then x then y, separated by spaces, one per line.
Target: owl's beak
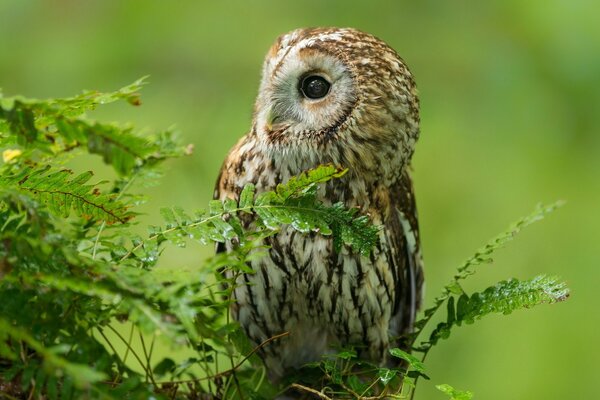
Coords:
pixel 274 121
pixel 271 119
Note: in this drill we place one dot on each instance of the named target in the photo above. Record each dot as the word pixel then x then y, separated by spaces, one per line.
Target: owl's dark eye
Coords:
pixel 314 87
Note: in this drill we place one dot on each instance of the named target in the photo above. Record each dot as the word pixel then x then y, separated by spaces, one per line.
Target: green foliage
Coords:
pixel 453 393
pixel 503 298
pixel 60 194
pixel 293 203
pixel 83 304
pixel 482 256
pixel 413 362
pixel 55 126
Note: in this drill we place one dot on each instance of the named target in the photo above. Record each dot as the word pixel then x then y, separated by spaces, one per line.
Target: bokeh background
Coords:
pixel 510 95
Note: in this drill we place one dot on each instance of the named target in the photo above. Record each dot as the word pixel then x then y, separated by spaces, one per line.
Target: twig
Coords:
pixel 233 369
pixel 349 390
pixel 254 350
pixel 143 365
pixel 117 376
pixel 9 397
pixel 366 390
pixel 310 390
pixel 128 343
pixel 148 365
pixel 97 241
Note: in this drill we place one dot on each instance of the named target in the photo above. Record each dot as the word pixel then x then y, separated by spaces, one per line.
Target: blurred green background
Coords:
pixel 510 94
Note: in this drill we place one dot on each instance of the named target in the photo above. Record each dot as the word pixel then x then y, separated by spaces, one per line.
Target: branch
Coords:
pixel 310 390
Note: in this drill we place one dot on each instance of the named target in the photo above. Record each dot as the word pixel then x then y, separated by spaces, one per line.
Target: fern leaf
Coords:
pixel 483 255
pixel 502 298
pixel 28 118
pixel 53 126
pixel 89 100
pixel 117 146
pixel 62 193
pixel 293 203
pixel 306 181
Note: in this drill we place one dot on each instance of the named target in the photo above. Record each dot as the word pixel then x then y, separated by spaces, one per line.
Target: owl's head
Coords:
pixel 329 85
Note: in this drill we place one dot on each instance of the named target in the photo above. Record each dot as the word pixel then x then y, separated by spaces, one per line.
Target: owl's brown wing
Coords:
pixel 234 173
pixel 404 254
pixel 232 176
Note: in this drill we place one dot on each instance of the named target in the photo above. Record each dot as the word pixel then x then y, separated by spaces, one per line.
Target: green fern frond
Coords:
pixel 32 120
pixel 117 146
pixel 63 193
pixel 56 125
pixel 89 100
pixel 308 180
pixel 502 298
pixel 76 105
pixel 293 203
pixel 483 255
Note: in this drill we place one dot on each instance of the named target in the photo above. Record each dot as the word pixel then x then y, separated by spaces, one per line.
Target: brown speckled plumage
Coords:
pixel 369 123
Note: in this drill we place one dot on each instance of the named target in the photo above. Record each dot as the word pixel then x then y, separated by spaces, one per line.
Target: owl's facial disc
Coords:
pixel 307 93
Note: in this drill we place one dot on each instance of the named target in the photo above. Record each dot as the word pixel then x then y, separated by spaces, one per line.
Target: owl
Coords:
pixel 342 97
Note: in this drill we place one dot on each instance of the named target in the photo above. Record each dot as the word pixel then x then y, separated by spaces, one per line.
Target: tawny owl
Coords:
pixel 344 97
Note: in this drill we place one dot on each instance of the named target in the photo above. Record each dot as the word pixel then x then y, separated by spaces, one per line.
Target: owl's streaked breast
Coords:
pixel 323 298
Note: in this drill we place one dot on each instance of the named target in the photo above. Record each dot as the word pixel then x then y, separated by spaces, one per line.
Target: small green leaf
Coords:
pixel 247 196
pixel 168 216
pixel 413 361
pixel 165 366
pixel 346 354
pixel 386 375
pixel 453 393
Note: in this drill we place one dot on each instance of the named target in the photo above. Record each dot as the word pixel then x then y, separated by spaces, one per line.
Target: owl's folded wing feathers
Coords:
pixel 404 254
